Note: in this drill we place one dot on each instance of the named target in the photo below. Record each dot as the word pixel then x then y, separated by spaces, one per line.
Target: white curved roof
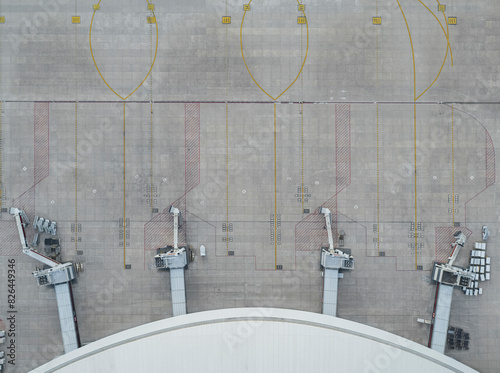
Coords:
pixel 254 340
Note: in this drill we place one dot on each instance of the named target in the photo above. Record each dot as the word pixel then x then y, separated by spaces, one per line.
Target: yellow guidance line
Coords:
pixel 248 69
pixel 414 126
pixel 227 178
pixel 448 47
pixel 275 198
pixel 1 175
pixel 447 32
pixel 378 185
pixel 102 77
pixel 76 176
pixel 124 203
pixel 415 161
pixel 151 114
pixel 453 163
pixel 412 51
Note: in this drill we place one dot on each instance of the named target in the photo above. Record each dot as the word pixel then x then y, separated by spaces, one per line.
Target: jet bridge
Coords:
pixel 58 274
pixel 332 260
pixel 174 259
pixel 447 276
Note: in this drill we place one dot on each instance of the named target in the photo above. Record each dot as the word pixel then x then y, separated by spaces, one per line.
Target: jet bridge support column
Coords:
pixel 332 260
pixel 174 259
pixel 58 274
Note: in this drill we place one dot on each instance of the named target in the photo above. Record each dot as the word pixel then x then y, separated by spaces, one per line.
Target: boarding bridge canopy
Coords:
pixel 330 291
pixel 441 318
pixel 67 316
pixel 178 290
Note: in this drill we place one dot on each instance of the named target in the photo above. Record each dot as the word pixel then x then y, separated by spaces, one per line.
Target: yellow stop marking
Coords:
pixel 452 20
pixel 226 20
pixel 75 19
pixel 377 20
pixel 246 7
pixel 301 20
pixel 151 6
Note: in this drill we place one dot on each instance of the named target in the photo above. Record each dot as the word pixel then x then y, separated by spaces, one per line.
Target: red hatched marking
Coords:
pixel 41 159
pixel 192 142
pixel 490 161
pixel 342 146
pixel 307 235
pixel 444 239
pixel 158 232
pixel 9 237
pixel 310 233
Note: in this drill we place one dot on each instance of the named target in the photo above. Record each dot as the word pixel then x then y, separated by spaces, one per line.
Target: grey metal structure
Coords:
pixel 178 290
pixel 175 259
pixel 447 273
pixel 330 292
pixel 332 260
pixel 441 318
pixel 58 274
pixel 447 276
pixel 67 316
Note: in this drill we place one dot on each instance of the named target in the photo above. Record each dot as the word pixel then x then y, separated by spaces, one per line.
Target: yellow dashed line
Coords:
pixel 1 147
pixel 275 198
pixel 227 139
pixel 414 128
pixel 453 163
pixel 378 147
pixel 76 176
pixel 151 112
pixel 76 134
pixel 302 115
pixel 378 187
pixel 124 190
pixel 227 177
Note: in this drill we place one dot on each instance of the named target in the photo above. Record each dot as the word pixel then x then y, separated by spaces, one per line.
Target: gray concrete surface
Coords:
pixel 251 161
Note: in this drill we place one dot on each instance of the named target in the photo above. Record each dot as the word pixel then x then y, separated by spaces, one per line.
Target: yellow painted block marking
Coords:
pixel 96 7
pixel 301 20
pixel 302 7
pixel 2 19
pixel 441 8
pixel 75 19
pixel 152 20
pixel 246 7
pixel 151 6
pixel 226 20
pixel 377 20
pixel 452 20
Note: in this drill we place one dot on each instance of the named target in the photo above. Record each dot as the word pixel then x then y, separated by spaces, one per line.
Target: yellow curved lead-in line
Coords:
pixel 99 71
pixel 412 52
pixel 448 47
pixel 248 69
pixel 447 32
